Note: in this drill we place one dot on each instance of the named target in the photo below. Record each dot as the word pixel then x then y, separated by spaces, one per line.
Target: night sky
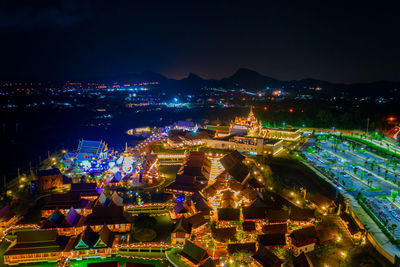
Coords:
pixel 330 40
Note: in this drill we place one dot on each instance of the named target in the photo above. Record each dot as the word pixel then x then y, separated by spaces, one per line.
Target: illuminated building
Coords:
pixel 71 224
pixel 191 177
pixel 112 216
pixel 50 179
pixel 181 230
pixel 214 166
pixel 249 122
pixel 88 191
pixel 252 127
pixel 35 246
pixel 186 126
pixel 63 202
pixel 251 145
pixel 91 150
pixel 264 257
pixel 94 244
pixel 194 255
pixel 303 240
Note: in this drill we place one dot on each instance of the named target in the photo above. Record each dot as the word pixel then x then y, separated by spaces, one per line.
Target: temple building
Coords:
pixel 191 177
pixel 88 191
pixel 303 240
pixel 251 127
pixel 113 217
pixel 70 224
pixel 249 122
pixel 181 230
pixel 35 246
pixel 64 202
pixel 91 150
pixel 194 255
pixel 91 244
pixel 50 179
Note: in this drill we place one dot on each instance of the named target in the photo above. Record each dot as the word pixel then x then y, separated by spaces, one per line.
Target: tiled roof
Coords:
pixel 49 172
pixel 272 239
pixel 107 215
pixel 228 214
pixel 193 253
pixel 266 258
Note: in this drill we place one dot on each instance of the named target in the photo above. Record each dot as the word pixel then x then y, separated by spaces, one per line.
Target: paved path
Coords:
pixel 374 231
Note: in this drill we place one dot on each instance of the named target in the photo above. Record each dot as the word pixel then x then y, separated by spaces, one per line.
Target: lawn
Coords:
pixel 170 172
pixel 3 247
pixel 121 261
pixel 156 255
pixel 144 235
pixel 163 228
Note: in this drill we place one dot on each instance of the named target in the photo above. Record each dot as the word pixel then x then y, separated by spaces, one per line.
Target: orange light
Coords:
pixel 291 110
pixel 391 118
pixel 243 98
pixel 265 108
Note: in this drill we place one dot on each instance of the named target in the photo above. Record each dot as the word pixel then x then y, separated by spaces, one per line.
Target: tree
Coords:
pixel 241 258
pixel 240 235
pixel 394 195
pixel 304 191
pixel 394 226
pixel 284 254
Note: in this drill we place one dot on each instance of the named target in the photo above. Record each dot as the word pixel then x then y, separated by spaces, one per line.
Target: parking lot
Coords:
pixel 355 169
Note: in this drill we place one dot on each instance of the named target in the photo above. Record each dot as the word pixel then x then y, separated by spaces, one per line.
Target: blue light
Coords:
pixel 181 198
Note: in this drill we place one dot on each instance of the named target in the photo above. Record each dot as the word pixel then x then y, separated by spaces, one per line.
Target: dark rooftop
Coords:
pixel 193 253
pixel 248 226
pixel 275 228
pixel 266 258
pixel 228 214
pixel 48 172
pixel 272 239
pixel 297 214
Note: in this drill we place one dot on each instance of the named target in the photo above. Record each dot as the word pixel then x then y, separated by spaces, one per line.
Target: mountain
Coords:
pixel 251 80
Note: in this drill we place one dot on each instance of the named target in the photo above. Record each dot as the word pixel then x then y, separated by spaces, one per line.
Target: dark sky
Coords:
pixel 330 40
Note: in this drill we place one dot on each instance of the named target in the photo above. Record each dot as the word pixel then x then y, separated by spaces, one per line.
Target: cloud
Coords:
pixel 17 14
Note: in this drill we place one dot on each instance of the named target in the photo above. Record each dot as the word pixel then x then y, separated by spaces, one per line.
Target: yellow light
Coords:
pixel 323 207
pixel 297 202
pixel 291 193
pixel 21 186
pixel 53 158
pixel 343 254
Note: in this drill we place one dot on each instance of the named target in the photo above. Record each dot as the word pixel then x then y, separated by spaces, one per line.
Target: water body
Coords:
pixel 28 135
